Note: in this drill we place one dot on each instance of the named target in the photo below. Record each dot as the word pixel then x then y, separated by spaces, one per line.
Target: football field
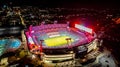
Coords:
pixel 57 41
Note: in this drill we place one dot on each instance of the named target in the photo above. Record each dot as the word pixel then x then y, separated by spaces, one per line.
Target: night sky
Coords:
pixel 65 3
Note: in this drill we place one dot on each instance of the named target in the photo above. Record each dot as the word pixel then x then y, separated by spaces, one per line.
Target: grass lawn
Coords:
pixel 57 41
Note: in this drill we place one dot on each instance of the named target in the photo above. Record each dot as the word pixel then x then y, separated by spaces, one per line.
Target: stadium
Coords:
pixel 57 43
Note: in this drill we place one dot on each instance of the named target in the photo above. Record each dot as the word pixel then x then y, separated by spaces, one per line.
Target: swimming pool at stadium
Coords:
pixel 7 44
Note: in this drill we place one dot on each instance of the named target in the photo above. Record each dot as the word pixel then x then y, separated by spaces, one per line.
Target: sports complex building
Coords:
pixel 57 43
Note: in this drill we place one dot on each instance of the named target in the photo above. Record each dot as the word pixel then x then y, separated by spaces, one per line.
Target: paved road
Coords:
pixel 107 61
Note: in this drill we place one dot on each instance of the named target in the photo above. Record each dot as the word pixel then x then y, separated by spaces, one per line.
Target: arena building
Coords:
pixel 58 43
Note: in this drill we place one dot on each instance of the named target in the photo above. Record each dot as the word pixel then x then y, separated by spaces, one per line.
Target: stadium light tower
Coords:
pixel 55 22
pixel 43 22
pixel 68 23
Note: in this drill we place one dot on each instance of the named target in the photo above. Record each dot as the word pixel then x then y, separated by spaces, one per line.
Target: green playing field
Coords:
pixel 57 41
